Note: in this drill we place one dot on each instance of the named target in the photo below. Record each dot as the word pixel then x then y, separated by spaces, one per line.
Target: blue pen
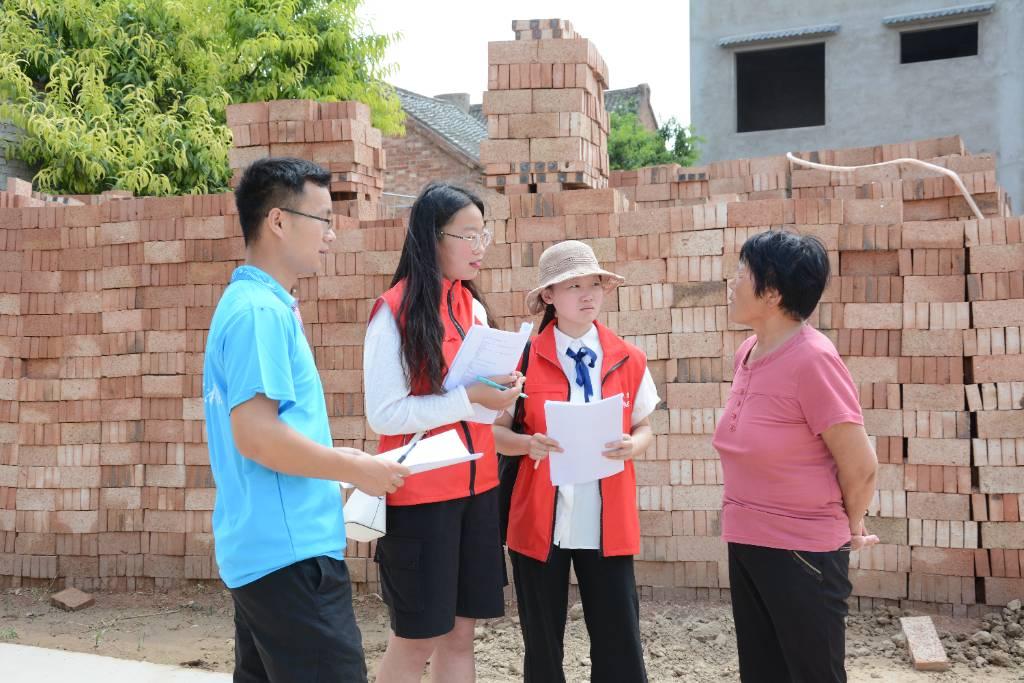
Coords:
pixel 495 385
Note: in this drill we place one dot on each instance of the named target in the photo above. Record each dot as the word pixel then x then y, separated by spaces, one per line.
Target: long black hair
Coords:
pixel 550 315
pixel 423 331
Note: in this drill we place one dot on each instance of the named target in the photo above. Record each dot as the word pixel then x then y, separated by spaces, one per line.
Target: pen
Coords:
pixel 496 385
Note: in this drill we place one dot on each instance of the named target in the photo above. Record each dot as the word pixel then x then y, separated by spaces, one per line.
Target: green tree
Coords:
pixel 131 94
pixel 631 145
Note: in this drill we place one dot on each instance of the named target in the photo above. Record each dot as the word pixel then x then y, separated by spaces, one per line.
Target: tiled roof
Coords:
pixel 460 129
pixel 781 34
pixel 624 98
pixel 477 112
pixel 944 13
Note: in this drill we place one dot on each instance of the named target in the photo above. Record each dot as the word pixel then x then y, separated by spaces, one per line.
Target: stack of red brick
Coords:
pixel 546 122
pixel 104 475
pixel 905 307
pixel 337 135
pixel 104 472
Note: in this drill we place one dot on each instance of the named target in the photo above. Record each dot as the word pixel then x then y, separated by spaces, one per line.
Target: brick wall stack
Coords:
pixel 337 135
pixel 422 156
pixel 104 472
pixel 546 122
pixel 656 187
pixel 903 310
pixel 104 475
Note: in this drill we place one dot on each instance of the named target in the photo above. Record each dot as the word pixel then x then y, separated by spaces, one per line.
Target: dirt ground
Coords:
pixel 684 642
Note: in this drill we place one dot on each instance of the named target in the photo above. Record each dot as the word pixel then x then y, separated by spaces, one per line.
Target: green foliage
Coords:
pixel 630 145
pixel 131 94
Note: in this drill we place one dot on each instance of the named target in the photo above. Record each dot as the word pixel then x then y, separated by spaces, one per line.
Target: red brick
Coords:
pixel 1000 424
pixel 997 368
pixel 934 289
pixel 932 235
pixel 294 110
pixel 931 343
pixel 1001 480
pixel 508 102
pixel 249 112
pixel 869 263
pixel 873 316
pixel 873 211
pixel 504 150
pixel 696 345
pixel 946 506
pixel 760 213
pixel 699 243
pixel 72 600
pixel 944 561
pixel 933 396
pixel 997 313
pixel 512 51
pixel 564 101
pixel 1000 591
pixel 938 451
pixel 926 650
pixel 1001 258
pixel 879 584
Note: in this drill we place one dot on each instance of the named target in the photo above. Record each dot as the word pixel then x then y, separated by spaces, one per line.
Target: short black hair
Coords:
pixel 796 266
pixel 273 182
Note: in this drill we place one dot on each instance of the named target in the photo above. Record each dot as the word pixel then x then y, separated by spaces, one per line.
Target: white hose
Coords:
pixel 914 162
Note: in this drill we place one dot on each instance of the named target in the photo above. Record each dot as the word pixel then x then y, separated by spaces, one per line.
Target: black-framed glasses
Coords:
pixel 478 240
pixel 328 223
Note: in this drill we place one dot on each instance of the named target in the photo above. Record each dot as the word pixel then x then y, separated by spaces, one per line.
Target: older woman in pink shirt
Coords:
pixel 799 469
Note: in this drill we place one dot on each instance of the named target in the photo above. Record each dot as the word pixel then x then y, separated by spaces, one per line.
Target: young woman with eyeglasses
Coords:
pixel 441 561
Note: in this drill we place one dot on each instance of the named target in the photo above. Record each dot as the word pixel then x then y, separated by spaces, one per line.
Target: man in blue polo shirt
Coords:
pixel 277 521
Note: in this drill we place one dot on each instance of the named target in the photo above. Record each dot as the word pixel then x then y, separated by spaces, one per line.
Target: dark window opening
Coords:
pixel 938 43
pixel 780 88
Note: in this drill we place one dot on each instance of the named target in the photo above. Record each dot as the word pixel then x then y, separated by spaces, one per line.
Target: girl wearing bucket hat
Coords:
pixel 441 562
pixel 593 527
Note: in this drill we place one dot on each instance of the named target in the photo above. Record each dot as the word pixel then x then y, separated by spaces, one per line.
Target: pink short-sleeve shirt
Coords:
pixel 781 482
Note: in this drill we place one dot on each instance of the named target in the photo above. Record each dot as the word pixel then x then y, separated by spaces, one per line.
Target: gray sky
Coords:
pixel 444 42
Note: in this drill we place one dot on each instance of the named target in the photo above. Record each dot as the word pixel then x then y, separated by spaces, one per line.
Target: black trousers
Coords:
pixel 790 607
pixel 297 625
pixel 611 610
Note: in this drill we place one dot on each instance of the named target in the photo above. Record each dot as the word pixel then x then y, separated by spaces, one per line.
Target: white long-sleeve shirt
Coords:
pixel 390 409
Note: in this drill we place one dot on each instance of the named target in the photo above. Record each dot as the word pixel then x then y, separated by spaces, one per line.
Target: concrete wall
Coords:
pixel 870 97
pixel 10 167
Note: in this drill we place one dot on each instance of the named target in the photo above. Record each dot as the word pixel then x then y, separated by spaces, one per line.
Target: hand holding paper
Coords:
pixel 440 450
pixel 621 449
pixel 583 430
pixel 486 352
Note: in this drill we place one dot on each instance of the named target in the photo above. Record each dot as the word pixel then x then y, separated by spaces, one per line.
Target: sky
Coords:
pixel 443 48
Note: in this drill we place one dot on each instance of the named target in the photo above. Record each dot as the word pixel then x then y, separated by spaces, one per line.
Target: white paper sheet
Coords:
pixel 486 352
pixel 582 430
pixel 431 453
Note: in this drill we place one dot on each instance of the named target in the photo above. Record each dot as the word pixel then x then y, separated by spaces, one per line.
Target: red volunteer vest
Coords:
pixel 531 519
pixel 457 481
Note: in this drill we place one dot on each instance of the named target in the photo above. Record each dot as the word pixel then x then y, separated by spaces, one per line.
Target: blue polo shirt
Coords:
pixel 264 520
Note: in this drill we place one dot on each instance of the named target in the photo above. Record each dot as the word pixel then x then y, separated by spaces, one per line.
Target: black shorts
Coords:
pixel 297 624
pixel 439 561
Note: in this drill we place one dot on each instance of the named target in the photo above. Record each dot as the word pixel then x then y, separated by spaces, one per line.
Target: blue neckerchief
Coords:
pixel 582 374
pixel 247 272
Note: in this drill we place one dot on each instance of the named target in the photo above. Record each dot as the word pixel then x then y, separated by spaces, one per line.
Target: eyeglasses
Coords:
pixel 328 223
pixel 478 240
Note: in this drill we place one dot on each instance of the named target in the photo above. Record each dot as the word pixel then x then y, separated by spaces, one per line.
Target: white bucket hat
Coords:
pixel 565 261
